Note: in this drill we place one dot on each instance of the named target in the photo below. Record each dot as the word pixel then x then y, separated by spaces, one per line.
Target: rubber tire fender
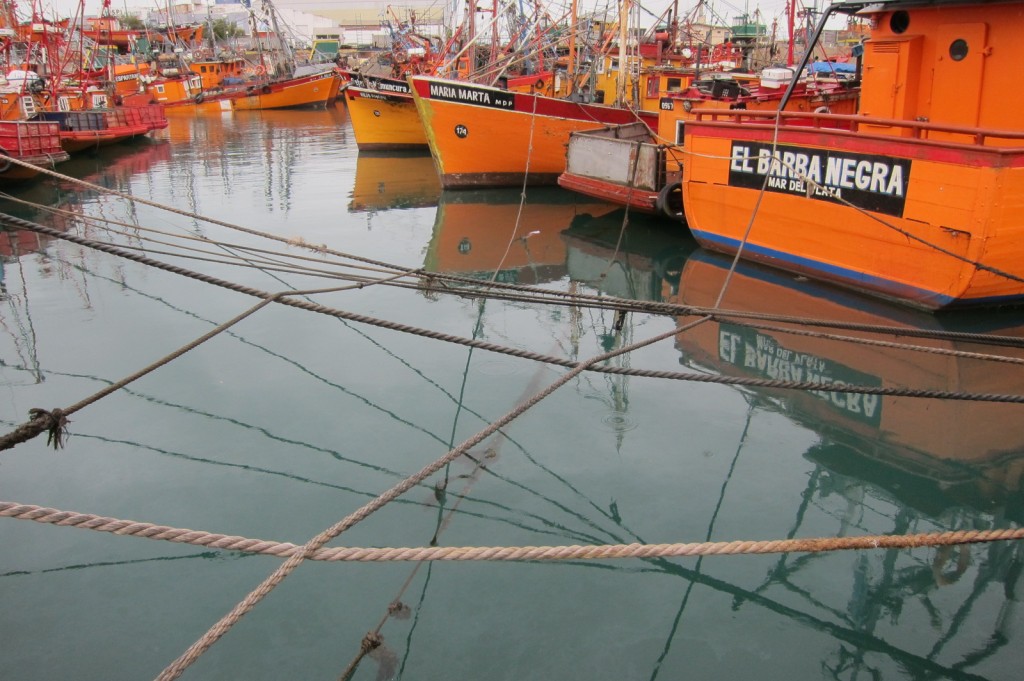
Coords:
pixel 265 89
pixel 670 201
pixel 5 160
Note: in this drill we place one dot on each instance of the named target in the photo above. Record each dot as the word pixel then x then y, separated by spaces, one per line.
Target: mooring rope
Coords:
pixel 547 295
pixel 525 354
pixel 130 528
pixel 175 669
pixel 54 421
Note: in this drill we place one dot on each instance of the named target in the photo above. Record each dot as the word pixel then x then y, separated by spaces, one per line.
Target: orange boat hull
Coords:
pixel 309 91
pixel 923 223
pixel 384 120
pixel 483 136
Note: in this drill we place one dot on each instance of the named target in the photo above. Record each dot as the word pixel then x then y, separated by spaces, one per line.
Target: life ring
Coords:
pixel 670 201
pixel 5 160
pixel 539 84
pixel 260 70
pixel 822 110
pixel 265 89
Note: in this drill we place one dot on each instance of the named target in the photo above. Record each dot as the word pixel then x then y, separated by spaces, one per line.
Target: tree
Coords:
pixel 131 22
pixel 224 29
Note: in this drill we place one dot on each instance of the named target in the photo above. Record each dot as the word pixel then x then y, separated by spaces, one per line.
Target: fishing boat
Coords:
pixel 383 114
pixel 281 82
pixel 484 136
pixel 313 90
pixel 915 198
pixel 34 142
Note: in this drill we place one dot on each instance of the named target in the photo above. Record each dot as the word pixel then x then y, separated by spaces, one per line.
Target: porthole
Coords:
pixel 958 49
pixel 899 22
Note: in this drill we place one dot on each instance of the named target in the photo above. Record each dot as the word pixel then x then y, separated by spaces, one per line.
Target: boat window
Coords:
pixel 958 49
pixel 899 22
pixel 652 86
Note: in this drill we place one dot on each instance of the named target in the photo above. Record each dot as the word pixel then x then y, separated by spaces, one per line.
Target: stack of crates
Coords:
pixel 116 118
pixel 24 139
pixel 76 121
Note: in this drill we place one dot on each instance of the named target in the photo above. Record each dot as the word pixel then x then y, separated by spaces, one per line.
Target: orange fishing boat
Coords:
pixel 305 91
pixel 485 136
pixel 916 197
pixel 918 440
pixel 383 114
pixel 88 129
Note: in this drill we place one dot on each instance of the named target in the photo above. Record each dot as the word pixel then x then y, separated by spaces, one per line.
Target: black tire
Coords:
pixel 265 90
pixel 5 160
pixel 670 201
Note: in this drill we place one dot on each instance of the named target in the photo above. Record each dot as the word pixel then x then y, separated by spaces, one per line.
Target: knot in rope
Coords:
pixel 54 423
pixel 371 642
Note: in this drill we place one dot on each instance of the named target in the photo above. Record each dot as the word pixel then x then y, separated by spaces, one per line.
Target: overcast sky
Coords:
pixel 769 8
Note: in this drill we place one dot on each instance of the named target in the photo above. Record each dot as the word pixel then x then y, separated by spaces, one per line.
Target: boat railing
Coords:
pixel 919 131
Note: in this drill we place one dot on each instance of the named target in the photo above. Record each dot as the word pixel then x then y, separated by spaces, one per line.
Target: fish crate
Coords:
pixel 30 138
pixel 75 121
pixel 116 118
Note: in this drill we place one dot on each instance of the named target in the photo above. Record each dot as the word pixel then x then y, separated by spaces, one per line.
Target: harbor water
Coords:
pixel 291 420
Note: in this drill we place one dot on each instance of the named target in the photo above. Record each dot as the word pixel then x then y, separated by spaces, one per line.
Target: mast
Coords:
pixel 620 91
pixel 791 12
pixel 571 67
pixel 287 65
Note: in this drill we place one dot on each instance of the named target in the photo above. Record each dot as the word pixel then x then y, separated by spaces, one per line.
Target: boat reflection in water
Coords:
pixel 492 233
pixel 641 262
pixel 394 179
pixel 969 450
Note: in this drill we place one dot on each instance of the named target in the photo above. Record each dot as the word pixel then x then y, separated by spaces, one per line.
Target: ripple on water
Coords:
pixel 618 422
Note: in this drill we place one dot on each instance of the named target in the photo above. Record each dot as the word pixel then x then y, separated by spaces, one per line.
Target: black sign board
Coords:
pixel 872 182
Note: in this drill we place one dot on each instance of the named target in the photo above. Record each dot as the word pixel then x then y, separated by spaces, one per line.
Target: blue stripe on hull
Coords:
pixel 930 300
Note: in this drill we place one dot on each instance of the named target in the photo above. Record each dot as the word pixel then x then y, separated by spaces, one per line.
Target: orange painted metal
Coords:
pixel 307 91
pixel 916 198
pixel 481 136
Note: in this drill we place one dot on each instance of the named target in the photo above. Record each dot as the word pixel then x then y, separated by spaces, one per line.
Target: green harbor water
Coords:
pixel 289 421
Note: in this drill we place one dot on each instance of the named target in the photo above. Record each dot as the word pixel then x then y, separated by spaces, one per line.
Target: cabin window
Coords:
pixel 899 22
pixel 680 130
pixel 652 86
pixel 674 84
pixel 958 50
pixel 202 69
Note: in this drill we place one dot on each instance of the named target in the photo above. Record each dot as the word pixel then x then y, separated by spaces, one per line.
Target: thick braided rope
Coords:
pixel 548 295
pixel 221 627
pixel 661 308
pixel 524 354
pixel 264 547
